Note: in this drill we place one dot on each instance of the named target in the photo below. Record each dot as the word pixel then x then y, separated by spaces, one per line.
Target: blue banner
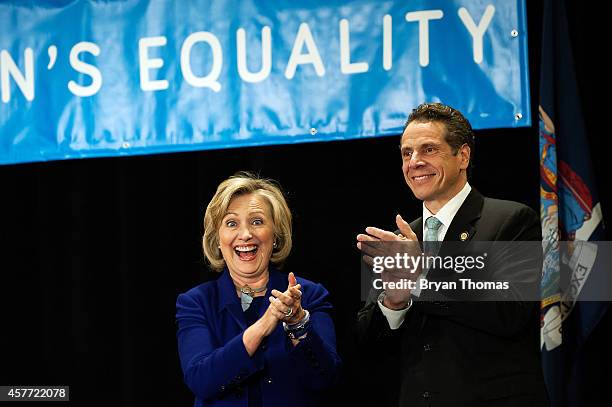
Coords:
pixel 120 77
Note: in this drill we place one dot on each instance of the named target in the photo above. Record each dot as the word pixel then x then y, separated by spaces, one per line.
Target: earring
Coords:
pixel 274 244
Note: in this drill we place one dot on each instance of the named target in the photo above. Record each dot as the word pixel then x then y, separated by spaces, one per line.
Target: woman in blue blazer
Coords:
pixel 254 337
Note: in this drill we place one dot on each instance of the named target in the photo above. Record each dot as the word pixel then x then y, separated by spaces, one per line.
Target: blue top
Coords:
pixel 216 364
pixel 254 381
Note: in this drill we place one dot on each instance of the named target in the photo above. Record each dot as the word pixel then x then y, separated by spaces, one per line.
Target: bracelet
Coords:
pixel 300 329
pixel 381 299
pixel 304 320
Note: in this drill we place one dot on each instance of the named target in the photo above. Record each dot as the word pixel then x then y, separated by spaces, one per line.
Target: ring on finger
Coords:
pixel 289 312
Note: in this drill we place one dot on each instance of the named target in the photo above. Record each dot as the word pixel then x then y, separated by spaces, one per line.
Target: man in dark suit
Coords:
pixel 451 353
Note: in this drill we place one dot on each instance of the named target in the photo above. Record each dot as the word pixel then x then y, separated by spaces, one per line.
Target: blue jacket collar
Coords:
pixel 230 301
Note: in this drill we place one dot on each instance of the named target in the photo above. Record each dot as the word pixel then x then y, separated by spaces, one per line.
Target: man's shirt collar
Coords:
pixel 448 211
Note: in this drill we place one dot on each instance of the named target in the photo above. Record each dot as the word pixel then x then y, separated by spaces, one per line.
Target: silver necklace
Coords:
pixel 246 295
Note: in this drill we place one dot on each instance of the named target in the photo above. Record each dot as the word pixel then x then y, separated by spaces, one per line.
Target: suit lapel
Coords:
pixel 417 228
pixel 462 227
pixel 230 302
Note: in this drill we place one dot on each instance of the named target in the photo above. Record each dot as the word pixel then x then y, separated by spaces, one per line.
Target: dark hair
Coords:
pixel 458 128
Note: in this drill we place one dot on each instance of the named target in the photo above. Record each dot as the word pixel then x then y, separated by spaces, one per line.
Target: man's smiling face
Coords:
pixel 432 170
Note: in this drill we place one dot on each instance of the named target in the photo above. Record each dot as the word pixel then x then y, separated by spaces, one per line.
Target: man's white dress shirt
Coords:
pixel 444 215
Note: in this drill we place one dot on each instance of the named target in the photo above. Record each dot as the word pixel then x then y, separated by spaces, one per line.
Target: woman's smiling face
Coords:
pixel 246 236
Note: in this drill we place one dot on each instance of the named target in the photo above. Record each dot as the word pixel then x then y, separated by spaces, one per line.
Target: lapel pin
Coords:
pixel 463 236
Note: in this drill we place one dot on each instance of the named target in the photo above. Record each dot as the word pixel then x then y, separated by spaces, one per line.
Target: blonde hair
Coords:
pixel 243 183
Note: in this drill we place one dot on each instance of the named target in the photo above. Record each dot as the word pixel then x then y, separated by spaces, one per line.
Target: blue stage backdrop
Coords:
pixel 120 77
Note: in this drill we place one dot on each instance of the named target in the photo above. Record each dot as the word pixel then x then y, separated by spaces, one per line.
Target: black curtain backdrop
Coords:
pixel 95 251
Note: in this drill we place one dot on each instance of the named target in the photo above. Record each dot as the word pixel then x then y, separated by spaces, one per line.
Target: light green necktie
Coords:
pixel 432 225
